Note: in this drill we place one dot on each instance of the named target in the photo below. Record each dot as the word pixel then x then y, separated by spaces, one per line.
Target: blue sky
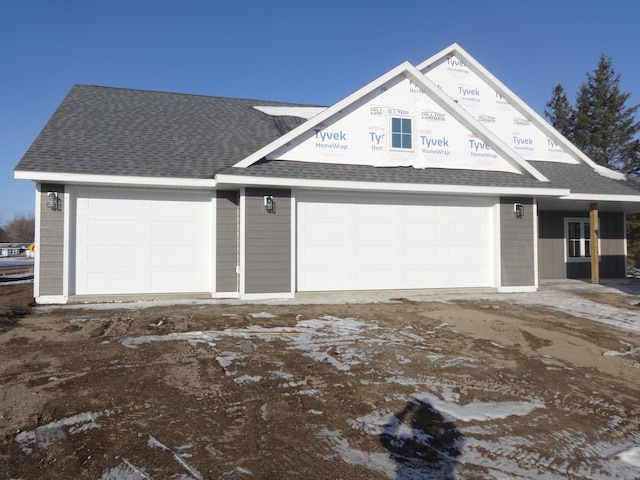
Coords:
pixel 309 52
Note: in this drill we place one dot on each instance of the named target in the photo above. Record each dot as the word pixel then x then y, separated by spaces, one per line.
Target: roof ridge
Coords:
pixel 187 94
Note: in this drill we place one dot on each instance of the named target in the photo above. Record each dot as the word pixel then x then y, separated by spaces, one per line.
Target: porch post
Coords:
pixel 595 229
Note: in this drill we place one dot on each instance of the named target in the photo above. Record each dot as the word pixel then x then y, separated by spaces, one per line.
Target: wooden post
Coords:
pixel 594 233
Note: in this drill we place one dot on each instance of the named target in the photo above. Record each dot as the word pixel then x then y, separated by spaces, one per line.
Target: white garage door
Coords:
pixel 142 241
pixel 353 242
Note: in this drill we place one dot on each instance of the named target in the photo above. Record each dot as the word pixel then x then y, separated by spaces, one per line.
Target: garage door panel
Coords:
pixel 316 280
pixel 132 242
pixel 113 229
pixel 108 254
pixel 393 242
pixel 368 256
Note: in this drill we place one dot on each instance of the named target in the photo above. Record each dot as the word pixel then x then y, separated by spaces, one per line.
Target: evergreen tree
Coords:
pixel 604 128
pixel 559 112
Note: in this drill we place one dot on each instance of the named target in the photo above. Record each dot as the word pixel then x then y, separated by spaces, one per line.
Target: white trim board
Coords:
pixel 233 180
pixel 121 180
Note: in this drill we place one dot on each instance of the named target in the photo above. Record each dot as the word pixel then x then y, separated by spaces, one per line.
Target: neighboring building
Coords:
pixel 15 250
pixel 435 176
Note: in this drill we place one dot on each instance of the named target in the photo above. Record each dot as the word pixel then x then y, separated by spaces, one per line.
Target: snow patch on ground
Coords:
pixel 46 435
pixel 630 456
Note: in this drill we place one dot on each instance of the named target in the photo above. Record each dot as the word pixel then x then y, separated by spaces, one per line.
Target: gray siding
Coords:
pixel 267 242
pixel 613 256
pixel 517 243
pixel 50 244
pixel 227 206
pixel 551 260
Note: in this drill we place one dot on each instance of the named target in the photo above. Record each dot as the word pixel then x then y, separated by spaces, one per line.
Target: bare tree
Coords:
pixel 20 229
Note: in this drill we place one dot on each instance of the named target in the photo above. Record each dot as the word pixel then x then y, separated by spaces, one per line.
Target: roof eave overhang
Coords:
pixel 281 182
pixel 115 180
pixel 595 198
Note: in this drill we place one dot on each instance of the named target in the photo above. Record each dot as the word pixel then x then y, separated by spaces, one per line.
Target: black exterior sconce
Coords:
pixel 269 204
pixel 518 209
pixel 53 201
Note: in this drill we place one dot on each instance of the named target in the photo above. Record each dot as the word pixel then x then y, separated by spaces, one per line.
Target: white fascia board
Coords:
pixel 516 102
pixel 466 119
pixel 80 178
pixel 602 198
pixel 322 116
pixel 236 180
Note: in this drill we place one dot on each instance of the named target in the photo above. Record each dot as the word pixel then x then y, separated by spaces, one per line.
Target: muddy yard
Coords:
pixel 541 386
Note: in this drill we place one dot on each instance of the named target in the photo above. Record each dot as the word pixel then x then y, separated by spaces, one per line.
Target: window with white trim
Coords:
pixel 401 133
pixel 577 234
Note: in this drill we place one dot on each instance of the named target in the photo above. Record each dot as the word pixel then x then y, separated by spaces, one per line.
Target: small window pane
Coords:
pixel 587 240
pixel 573 232
pixel 401 133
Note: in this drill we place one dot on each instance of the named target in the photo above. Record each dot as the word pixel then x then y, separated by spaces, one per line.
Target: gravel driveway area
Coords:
pixel 407 385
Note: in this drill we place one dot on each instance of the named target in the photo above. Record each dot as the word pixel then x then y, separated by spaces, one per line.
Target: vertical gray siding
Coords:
pixel 267 242
pixel 227 206
pixel 552 264
pixel 517 242
pixel 613 257
pixel 50 244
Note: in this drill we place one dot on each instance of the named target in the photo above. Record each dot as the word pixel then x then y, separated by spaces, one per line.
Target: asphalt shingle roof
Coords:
pixel 113 131
pixel 583 179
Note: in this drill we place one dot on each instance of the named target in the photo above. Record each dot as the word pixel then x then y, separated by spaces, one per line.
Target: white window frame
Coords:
pixel 585 255
pixel 401 149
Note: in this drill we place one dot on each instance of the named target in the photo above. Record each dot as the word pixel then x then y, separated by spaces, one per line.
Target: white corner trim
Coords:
pixel 38 233
pixel 80 178
pixel 68 204
pixel 536 232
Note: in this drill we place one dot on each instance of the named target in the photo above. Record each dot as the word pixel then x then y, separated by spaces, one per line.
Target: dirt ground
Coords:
pixel 404 389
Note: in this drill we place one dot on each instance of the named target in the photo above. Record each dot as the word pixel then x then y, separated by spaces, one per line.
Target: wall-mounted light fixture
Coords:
pixel 269 204
pixel 53 202
pixel 518 209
